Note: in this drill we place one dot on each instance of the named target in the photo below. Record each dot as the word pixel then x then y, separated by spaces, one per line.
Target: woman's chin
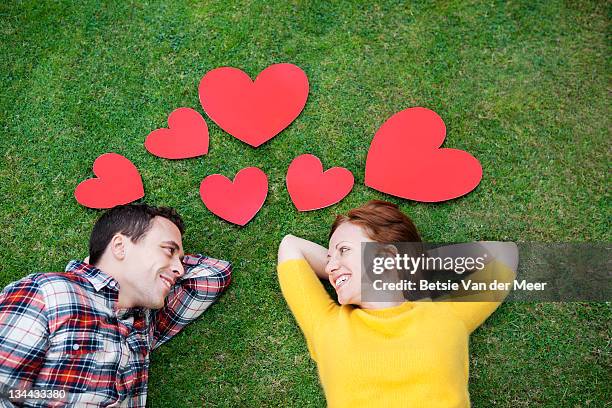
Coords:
pixel 343 300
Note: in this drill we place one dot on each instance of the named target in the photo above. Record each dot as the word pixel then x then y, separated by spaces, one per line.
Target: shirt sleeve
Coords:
pixel 307 298
pixel 203 282
pixel 474 312
pixel 24 335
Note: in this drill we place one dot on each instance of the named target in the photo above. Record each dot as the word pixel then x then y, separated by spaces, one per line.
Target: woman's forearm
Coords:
pixel 292 247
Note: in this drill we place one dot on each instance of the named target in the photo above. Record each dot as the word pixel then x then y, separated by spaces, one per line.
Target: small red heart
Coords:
pixel 254 112
pixel 311 188
pixel 118 182
pixel 185 137
pixel 405 159
pixel 237 201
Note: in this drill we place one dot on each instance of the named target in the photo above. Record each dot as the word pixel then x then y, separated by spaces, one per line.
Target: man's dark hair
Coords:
pixel 131 220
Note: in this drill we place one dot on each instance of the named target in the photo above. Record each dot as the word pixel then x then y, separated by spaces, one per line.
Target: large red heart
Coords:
pixel 405 159
pixel 185 137
pixel 311 188
pixel 118 182
pixel 254 112
pixel 237 201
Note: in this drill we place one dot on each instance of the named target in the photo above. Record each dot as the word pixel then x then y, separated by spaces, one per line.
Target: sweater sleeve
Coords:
pixel 474 312
pixel 307 298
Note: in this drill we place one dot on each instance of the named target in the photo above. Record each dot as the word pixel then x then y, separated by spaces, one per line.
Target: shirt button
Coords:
pixel 75 347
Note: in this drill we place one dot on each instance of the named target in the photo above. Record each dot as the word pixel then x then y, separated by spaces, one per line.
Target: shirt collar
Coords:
pixel 95 276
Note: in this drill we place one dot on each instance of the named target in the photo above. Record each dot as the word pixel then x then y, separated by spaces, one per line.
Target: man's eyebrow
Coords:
pixel 176 246
pixel 172 244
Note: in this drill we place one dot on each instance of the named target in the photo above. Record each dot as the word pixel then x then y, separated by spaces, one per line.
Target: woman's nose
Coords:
pixel 331 266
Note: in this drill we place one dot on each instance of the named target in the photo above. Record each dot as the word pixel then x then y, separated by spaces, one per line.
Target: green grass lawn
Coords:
pixel 523 86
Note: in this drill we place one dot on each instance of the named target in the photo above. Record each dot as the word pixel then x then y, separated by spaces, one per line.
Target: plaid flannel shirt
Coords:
pixel 62 331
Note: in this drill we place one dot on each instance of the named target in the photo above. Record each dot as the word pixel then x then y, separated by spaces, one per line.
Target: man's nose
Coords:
pixel 178 268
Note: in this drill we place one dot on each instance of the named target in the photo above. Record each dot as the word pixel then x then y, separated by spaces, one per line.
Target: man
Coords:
pixel 83 337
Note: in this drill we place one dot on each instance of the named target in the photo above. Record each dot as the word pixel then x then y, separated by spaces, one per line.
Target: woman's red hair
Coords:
pixel 382 221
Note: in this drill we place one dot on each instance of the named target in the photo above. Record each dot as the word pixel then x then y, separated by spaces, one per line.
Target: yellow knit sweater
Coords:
pixel 411 355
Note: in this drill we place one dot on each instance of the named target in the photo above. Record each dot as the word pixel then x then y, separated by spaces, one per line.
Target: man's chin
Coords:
pixel 152 304
pixel 158 305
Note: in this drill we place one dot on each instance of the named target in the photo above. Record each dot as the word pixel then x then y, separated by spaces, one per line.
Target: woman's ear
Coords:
pixel 387 251
pixel 390 250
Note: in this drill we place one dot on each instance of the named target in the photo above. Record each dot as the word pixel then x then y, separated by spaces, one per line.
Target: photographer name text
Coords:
pixel 456 286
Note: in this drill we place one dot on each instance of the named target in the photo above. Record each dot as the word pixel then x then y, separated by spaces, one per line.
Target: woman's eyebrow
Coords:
pixel 340 243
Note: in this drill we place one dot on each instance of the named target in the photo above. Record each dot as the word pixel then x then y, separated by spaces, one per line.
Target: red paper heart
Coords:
pixel 185 137
pixel 237 201
pixel 118 182
pixel 405 159
pixel 254 112
pixel 311 189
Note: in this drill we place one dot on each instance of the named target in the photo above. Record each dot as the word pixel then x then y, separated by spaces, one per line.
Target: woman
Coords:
pixel 380 354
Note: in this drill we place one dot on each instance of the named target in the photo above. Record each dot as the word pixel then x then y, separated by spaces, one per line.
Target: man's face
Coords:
pixel 152 265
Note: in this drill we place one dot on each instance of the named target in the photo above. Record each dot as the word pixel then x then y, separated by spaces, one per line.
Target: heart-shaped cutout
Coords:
pixel 117 182
pixel 185 137
pixel 405 159
pixel 254 111
pixel 235 201
pixel 311 188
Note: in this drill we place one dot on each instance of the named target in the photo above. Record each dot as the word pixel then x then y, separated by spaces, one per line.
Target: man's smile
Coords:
pixel 168 282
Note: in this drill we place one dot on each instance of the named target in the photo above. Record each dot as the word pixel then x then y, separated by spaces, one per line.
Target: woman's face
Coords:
pixel 344 262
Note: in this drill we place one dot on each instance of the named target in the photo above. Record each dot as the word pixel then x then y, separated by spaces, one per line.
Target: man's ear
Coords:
pixel 117 246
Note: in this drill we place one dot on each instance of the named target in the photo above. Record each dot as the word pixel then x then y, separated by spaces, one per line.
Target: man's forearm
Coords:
pixel 204 280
